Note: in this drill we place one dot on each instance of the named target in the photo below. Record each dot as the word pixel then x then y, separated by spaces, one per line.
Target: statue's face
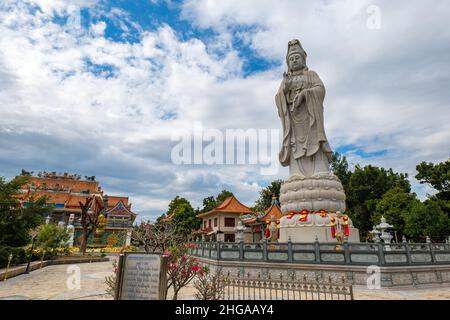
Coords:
pixel 296 62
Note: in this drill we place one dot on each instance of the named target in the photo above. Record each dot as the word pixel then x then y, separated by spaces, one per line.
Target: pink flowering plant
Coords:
pixel 181 269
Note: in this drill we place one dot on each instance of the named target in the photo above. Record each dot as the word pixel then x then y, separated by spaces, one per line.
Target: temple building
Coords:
pixel 66 191
pixel 219 224
pixel 258 222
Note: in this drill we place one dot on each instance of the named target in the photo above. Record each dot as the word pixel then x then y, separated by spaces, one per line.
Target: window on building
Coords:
pixel 209 223
pixel 204 224
pixel 215 222
pixel 228 237
pixel 230 222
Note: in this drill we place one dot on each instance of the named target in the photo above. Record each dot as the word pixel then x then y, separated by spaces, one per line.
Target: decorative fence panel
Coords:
pixel 270 288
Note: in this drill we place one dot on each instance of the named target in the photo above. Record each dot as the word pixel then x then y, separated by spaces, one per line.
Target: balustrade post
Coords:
pixel 433 258
pixel 210 249
pixel 408 253
pixel 347 253
pixel 290 255
pixel 241 250
pixel 317 250
pixel 381 254
pixel 265 255
pixel 218 249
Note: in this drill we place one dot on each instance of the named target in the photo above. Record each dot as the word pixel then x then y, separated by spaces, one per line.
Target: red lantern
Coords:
pixel 333 227
pixel 346 228
pixel 267 232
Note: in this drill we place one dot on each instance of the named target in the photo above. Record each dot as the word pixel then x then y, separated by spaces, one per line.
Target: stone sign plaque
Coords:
pixel 141 276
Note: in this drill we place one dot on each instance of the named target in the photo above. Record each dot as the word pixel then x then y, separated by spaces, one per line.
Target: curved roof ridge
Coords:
pixel 274 210
pixel 233 204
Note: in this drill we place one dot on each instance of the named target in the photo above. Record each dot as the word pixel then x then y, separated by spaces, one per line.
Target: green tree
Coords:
pixel 366 187
pixel 438 176
pixel 175 203
pixel 265 195
pixel 395 206
pixel 209 203
pixel 426 219
pixel 224 194
pixel 339 166
pixel 184 218
pixel 15 220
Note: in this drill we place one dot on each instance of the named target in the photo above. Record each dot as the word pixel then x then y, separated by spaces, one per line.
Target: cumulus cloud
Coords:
pixel 386 88
pixel 77 99
pixel 83 102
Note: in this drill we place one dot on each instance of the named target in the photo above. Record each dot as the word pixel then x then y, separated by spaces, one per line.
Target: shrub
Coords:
pixel 210 285
pixel 111 280
pixel 52 237
pixel 18 253
pixel 38 252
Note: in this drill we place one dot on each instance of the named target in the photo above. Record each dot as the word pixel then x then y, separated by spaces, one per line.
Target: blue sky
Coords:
pixel 103 97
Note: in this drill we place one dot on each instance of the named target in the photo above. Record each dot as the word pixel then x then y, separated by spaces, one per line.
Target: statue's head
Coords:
pixel 296 56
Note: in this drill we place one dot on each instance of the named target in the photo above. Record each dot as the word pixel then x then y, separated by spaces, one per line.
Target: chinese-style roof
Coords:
pixel 273 210
pixel 114 200
pixel 251 217
pixel 204 231
pixel 229 205
pixel 119 210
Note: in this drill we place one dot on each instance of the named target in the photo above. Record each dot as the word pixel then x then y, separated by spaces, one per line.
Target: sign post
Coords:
pixel 141 276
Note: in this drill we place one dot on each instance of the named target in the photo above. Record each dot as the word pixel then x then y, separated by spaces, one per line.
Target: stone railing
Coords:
pixel 398 254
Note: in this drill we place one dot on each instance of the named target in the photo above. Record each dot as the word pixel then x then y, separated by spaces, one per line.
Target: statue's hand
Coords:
pixel 298 100
pixel 287 81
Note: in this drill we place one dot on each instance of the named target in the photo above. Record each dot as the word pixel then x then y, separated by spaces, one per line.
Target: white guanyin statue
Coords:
pixel 311 186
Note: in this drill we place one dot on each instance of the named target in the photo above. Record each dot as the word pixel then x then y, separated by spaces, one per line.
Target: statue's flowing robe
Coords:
pixel 305 144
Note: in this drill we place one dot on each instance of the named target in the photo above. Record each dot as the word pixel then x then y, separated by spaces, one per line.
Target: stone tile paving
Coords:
pixel 50 283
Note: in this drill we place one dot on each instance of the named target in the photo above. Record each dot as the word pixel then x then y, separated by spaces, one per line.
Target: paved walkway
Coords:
pixel 51 283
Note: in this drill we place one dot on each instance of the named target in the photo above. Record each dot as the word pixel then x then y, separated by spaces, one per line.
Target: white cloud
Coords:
pixel 87 121
pixel 77 101
pixel 386 89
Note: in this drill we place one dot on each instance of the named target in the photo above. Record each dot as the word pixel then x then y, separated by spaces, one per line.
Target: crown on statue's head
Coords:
pixel 294 46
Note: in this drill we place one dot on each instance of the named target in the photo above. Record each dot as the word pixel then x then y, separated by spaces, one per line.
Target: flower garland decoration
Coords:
pixel 303 215
pixel 291 214
pixel 323 213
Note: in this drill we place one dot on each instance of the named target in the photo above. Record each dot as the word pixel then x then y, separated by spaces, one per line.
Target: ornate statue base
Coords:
pixel 320 192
